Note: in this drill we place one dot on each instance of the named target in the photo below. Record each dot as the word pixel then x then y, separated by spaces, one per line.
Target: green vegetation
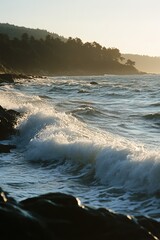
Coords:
pixel 16 32
pixel 53 56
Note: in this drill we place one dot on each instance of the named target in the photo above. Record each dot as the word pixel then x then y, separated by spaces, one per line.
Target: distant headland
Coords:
pixel 34 51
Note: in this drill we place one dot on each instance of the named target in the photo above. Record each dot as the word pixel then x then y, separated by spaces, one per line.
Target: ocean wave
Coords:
pixel 135 171
pixel 60 139
pixel 156 104
pixel 152 116
pixel 83 91
pixel 86 110
pixel 44 97
pixel 56 89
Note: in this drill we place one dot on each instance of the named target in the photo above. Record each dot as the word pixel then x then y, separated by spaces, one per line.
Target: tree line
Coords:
pixel 54 56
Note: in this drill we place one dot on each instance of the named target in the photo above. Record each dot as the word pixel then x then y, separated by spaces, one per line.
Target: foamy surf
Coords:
pixel 93 141
pixel 49 135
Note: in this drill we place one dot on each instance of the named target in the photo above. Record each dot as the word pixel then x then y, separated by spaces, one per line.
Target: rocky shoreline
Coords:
pixel 10 77
pixel 58 216
pixel 7 121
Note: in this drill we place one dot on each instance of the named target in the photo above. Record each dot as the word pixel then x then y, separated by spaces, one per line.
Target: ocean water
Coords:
pixel 95 137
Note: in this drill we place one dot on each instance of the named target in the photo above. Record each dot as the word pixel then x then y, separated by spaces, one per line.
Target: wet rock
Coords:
pixel 58 216
pixel 93 83
pixel 10 77
pixel 6 77
pixel 6 148
pixel 7 121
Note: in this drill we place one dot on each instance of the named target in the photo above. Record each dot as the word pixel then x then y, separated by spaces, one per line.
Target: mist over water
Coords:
pixel 94 137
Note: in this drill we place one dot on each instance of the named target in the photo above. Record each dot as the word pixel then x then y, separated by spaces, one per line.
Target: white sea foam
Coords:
pixel 130 169
pixel 51 135
pixel 47 134
pixel 110 158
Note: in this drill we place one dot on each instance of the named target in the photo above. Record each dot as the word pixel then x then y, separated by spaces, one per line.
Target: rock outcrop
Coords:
pixel 58 216
pixel 7 78
pixel 7 121
pixel 6 148
pixel 10 77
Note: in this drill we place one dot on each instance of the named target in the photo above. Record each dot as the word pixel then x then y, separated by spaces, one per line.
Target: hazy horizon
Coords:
pixel 130 26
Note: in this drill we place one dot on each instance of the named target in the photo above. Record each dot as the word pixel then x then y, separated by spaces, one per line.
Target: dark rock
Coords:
pixel 7 121
pixel 93 83
pixel 17 223
pixel 10 77
pixel 58 216
pixel 6 148
pixel 6 77
pixel 150 225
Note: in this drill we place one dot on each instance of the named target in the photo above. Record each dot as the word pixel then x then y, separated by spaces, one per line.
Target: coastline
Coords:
pixel 59 216
pixel 9 77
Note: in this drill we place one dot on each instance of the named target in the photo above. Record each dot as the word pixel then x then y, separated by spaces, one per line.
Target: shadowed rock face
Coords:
pixel 7 121
pixel 59 216
pixel 10 77
pixel 6 77
pixel 6 148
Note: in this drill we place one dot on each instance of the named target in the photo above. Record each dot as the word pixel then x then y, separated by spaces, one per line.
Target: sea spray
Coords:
pixel 135 171
pixel 97 142
pixel 49 135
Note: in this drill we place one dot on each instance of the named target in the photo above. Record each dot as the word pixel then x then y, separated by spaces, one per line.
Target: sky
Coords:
pixel 132 26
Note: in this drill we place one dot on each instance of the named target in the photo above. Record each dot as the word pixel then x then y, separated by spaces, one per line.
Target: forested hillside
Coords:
pixel 16 32
pixel 50 55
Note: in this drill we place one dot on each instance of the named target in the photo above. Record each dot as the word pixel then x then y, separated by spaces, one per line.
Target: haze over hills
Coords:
pixel 142 63
pixel 16 32
pixel 145 63
pixel 36 51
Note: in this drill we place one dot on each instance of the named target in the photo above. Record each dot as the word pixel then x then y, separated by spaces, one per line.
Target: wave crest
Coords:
pixel 60 139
